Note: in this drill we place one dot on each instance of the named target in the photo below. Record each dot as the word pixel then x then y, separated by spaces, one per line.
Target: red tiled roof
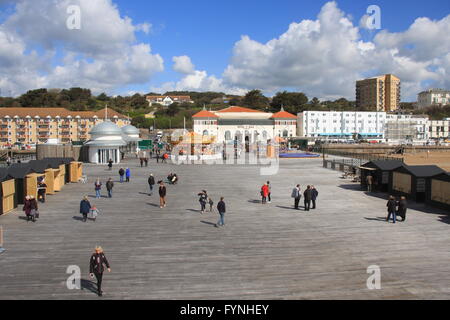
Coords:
pixel 238 109
pixel 284 115
pixel 204 114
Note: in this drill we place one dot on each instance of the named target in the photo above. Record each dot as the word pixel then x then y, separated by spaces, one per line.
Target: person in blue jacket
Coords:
pixel 128 174
pixel 85 208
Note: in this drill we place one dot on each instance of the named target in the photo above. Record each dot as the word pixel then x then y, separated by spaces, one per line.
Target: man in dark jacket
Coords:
pixel 162 194
pixel 109 187
pixel 221 210
pixel 391 206
pixel 307 198
pixel 110 163
pixel 314 195
pixel 121 174
pixel 151 183
pixel 96 267
pixel 402 206
pixel 85 208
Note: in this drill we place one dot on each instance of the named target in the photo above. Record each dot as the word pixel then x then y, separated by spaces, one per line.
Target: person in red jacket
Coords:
pixel 264 193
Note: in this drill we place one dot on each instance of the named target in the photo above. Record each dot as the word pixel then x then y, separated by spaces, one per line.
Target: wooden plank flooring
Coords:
pixel 263 252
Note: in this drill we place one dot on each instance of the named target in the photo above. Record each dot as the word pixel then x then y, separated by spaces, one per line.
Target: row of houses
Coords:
pixel 427 183
pixel 22 179
pixel 30 126
pixel 370 125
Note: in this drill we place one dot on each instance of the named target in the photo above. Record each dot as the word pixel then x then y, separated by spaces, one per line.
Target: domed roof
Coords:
pixel 106 128
pixel 129 129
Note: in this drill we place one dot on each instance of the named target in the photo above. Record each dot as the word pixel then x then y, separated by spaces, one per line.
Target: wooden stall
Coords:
pixel 410 181
pixel 438 191
pixel 76 171
pixel 381 171
pixel 45 167
pixel 25 181
pixel 7 191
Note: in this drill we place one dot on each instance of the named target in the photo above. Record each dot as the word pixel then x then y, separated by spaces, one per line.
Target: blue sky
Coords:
pixel 209 34
pixel 207 30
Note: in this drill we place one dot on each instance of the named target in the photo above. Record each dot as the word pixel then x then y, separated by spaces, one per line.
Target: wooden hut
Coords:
pixel 438 191
pixel 7 192
pixel 59 171
pixel 410 181
pixel 380 171
pixel 76 171
pixel 63 165
pixel 26 181
pixel 44 167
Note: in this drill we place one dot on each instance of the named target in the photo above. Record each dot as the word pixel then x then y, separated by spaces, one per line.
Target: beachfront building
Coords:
pixel 244 125
pixel 168 100
pixel 403 127
pixel 438 129
pixel 380 93
pixel 38 125
pixel 105 143
pixel 433 97
pixel 341 125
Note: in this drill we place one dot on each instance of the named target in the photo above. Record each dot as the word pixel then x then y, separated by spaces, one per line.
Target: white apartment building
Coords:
pixel 433 97
pixel 406 127
pixel 341 124
pixel 438 129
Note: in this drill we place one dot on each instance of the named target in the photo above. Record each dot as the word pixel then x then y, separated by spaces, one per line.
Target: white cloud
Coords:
pixel 195 80
pixel 183 64
pixel 326 56
pixel 144 27
pixel 102 55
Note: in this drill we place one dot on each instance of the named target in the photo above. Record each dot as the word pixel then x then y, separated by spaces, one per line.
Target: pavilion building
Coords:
pixel 244 125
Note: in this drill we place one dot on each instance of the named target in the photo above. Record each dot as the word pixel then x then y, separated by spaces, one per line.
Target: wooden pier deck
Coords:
pixel 264 252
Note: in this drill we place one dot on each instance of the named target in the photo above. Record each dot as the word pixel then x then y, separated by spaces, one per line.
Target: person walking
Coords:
pixel 110 163
pixel 296 195
pixel 41 191
pixel 162 194
pixel 151 183
pixel 98 188
pixel 97 267
pixel 128 174
pixel 30 207
pixel 401 208
pixel 307 198
pixel 369 180
pixel 121 174
pixel 203 197
pixel 211 203
pixel 109 187
pixel 314 195
pixel 141 160
pixel 264 193
pixel 391 206
pixel 85 208
pixel 221 210
pixel 269 192
pixel 146 161
pixel 27 208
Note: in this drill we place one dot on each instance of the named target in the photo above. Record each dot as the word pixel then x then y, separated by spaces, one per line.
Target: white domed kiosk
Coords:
pixel 131 136
pixel 106 141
